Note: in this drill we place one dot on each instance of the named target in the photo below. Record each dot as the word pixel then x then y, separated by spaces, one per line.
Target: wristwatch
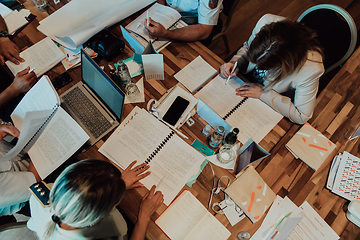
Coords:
pixel 4 33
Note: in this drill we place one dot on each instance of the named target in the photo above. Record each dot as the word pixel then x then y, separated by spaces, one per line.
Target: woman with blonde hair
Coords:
pixel 83 200
pixel 280 57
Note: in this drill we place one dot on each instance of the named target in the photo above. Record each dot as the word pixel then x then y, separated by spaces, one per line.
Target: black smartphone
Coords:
pixel 175 111
pixel 61 80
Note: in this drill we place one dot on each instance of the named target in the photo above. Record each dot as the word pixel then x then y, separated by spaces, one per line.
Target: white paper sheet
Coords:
pixel 81 19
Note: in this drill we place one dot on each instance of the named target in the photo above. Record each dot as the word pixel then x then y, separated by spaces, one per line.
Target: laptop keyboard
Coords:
pixel 86 111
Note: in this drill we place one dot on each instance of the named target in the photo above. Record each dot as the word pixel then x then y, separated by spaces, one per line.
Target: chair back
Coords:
pixel 228 10
pixel 336 32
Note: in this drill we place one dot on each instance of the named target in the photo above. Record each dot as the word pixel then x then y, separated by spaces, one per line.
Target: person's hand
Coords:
pixel 252 90
pixel 131 176
pixel 226 69
pixel 156 29
pixel 9 50
pixel 8 130
pixel 23 81
pixel 150 202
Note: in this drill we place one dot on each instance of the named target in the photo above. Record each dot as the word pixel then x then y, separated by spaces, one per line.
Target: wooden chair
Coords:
pixel 219 30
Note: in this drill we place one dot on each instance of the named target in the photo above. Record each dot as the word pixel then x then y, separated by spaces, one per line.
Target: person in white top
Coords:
pixel 83 199
pixel 283 56
pixel 16 175
pixel 201 15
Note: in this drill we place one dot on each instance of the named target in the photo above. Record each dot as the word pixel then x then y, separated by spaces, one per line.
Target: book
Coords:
pixel 254 118
pixel 47 132
pixel 344 176
pixel 195 74
pixel 144 138
pixel 164 15
pixel 187 218
pixel 42 56
pixel 311 146
pixel 250 192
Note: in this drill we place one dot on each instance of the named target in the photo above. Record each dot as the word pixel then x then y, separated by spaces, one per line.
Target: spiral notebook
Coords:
pixel 47 131
pixel 254 118
pixel 144 138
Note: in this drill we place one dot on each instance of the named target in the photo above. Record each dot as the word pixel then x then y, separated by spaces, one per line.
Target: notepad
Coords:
pixel 250 192
pixel 187 219
pixel 195 74
pixel 144 138
pixel 311 146
pixel 254 118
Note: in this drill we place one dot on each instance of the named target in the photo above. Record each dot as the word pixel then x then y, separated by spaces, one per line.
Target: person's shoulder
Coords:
pixel 269 18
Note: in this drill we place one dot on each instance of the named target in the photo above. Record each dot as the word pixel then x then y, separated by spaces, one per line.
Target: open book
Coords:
pixel 252 116
pixel 47 132
pixel 42 56
pixel 165 15
pixel 144 138
pixel 187 218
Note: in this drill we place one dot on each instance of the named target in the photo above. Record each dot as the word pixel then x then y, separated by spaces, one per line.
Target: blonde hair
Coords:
pixel 282 48
pixel 84 193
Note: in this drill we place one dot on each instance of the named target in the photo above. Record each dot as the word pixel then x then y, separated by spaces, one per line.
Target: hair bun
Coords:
pixel 55 219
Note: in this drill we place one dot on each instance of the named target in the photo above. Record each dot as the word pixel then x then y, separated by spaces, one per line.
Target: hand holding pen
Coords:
pixel 229 69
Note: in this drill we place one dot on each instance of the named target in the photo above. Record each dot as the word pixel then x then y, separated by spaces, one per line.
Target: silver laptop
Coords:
pixel 96 103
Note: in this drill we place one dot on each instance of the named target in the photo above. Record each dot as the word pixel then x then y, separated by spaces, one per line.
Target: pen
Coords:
pixel 159 184
pixel 31 70
pixel 177 131
pixel 147 18
pixel 232 71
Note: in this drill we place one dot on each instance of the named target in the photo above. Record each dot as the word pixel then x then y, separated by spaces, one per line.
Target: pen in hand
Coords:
pixel 232 71
pixel 159 184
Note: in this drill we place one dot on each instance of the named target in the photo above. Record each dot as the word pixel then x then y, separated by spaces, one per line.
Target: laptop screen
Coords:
pixel 100 84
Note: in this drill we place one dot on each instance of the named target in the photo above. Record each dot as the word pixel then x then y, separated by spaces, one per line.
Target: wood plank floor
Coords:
pixel 248 12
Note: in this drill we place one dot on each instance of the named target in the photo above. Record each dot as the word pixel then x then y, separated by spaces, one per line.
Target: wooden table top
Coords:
pixel 337 114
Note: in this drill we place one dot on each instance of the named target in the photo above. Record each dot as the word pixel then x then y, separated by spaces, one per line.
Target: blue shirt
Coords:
pixel 196 11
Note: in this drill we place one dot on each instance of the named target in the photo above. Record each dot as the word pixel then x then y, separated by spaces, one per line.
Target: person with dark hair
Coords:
pixel 83 200
pixel 283 59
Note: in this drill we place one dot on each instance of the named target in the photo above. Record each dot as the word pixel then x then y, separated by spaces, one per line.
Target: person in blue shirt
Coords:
pixel 201 15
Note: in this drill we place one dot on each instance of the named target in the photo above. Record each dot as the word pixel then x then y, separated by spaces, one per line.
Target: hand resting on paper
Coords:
pixel 156 29
pixel 131 176
pixel 252 90
pixel 9 50
pixel 227 68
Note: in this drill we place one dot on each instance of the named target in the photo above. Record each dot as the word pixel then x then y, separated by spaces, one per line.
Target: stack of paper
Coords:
pixel 195 74
pixel 287 221
pixel 310 146
pixel 344 176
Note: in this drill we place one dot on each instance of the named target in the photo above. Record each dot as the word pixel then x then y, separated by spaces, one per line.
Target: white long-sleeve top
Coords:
pixel 305 81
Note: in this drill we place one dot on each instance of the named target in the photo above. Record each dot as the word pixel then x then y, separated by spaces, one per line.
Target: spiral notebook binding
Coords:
pixel 41 127
pixel 234 108
pixel 161 145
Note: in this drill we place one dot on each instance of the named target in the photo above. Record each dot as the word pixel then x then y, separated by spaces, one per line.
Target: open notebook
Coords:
pixel 144 138
pixel 253 117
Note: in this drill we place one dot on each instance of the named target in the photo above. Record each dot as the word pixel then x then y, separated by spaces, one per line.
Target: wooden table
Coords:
pixel 337 113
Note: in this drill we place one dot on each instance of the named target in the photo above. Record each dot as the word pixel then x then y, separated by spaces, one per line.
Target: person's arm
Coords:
pixel 189 33
pixel 299 111
pixel 22 83
pixel 8 49
pixel 151 201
